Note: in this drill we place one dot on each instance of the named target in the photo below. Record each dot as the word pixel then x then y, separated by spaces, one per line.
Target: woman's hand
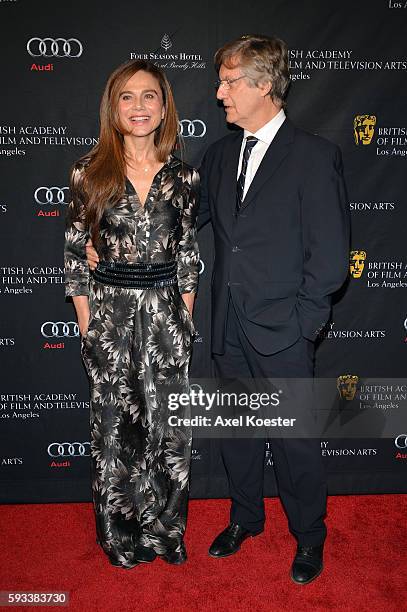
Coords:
pixel 83 325
pixel 189 301
pixel 91 255
pixel 81 303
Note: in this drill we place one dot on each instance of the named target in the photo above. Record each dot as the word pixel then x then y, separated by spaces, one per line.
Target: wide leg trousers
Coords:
pixel 136 352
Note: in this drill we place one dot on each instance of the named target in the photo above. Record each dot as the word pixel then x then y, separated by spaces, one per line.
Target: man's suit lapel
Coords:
pixel 271 161
pixel 229 171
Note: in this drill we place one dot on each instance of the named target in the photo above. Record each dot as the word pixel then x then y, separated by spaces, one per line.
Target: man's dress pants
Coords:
pixel 297 462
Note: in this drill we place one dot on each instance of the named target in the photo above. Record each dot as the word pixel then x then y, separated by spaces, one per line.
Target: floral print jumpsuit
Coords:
pixel 136 351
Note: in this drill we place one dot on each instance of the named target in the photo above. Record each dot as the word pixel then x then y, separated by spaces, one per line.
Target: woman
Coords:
pixel 138 204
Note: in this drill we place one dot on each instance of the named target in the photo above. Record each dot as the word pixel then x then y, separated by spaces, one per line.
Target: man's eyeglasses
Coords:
pixel 227 83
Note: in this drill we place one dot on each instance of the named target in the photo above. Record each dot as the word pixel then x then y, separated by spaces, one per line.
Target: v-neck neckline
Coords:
pixel 134 190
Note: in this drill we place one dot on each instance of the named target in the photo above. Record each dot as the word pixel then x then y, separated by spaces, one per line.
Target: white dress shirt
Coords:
pixel 265 136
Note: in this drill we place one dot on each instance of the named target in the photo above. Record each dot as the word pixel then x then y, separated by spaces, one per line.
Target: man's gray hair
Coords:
pixel 262 59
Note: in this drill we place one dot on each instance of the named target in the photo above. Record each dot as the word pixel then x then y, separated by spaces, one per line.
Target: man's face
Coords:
pixel 243 103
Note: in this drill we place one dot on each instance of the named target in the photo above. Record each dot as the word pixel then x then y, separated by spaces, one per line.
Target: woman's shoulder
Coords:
pixel 78 170
pixel 81 164
pixel 184 170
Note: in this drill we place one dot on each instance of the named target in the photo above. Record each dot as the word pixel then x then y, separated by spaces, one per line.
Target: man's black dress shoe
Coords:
pixel 307 564
pixel 229 541
pixel 176 557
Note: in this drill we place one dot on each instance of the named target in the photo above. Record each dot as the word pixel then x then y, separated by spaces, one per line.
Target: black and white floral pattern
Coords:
pixel 136 352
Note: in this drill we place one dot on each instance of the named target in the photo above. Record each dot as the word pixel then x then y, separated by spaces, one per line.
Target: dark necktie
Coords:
pixel 250 143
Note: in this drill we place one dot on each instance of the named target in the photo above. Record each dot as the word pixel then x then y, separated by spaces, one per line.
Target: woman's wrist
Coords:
pixel 81 303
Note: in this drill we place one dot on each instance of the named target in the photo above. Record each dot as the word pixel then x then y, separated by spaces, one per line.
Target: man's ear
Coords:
pixel 265 87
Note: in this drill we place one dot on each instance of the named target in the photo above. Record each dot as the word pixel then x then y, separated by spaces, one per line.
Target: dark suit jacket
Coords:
pixel 287 251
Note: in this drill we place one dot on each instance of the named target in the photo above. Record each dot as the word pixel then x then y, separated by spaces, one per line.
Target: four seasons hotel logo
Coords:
pixel 346 385
pixel 363 129
pixel 166 42
pixel 168 55
pixel 357 263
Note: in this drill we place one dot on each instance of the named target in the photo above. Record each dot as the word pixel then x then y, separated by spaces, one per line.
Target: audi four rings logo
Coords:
pixel 401 441
pixel 54 47
pixel 192 128
pixel 69 449
pixel 60 329
pixel 201 266
pixel 50 195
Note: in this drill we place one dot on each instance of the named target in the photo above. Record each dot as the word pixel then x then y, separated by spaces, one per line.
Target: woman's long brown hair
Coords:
pixel 104 167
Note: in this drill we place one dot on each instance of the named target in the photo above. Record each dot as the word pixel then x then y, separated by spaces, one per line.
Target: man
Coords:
pixel 277 203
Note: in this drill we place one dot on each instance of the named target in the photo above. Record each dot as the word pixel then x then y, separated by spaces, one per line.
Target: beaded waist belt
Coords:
pixel 137 275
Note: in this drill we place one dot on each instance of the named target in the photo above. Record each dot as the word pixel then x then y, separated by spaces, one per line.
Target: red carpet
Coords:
pixel 52 547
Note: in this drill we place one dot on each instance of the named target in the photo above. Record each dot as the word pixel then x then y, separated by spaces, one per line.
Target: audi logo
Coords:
pixel 401 441
pixel 194 128
pixel 201 266
pixel 69 449
pixel 50 195
pixel 60 329
pixel 54 47
pixel 405 324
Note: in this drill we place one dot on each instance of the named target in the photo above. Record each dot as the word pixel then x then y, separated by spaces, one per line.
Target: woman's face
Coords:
pixel 141 107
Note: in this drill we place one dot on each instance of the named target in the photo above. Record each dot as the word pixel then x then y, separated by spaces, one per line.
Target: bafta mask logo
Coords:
pixel 363 128
pixel 346 385
pixel 357 263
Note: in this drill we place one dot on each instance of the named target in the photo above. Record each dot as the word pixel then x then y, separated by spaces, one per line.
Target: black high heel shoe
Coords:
pixel 176 557
pixel 143 554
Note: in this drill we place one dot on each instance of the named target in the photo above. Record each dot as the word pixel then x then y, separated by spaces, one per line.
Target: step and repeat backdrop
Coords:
pixel 348 69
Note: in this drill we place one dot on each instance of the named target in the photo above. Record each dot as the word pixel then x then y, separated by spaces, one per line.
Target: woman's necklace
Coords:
pixel 142 167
